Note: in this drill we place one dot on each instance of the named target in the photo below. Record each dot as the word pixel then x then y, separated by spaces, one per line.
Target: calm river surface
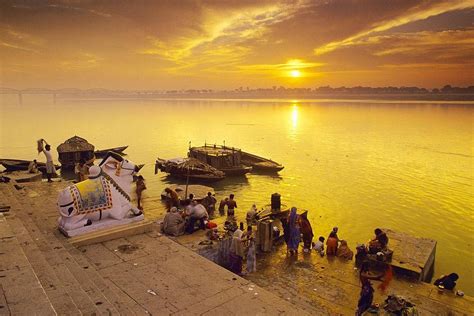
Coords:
pixel 357 165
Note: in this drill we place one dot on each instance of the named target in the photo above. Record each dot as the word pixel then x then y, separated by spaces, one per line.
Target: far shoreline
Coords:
pixel 387 99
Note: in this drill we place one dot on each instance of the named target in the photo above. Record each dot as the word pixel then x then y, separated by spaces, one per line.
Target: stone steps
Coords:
pixel 71 284
pixel 102 291
pixel 20 290
pixel 63 289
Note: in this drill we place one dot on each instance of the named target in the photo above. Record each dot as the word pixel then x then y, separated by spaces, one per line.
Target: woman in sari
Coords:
pixel 306 231
pixel 344 252
pixel 331 244
pixel 251 255
pixel 294 230
pixel 236 253
pixel 367 291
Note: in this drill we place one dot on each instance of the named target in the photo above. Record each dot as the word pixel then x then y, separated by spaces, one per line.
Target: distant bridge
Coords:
pixel 75 92
pixel 21 92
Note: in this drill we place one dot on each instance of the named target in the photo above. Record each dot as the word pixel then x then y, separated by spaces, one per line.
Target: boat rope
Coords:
pixel 115 184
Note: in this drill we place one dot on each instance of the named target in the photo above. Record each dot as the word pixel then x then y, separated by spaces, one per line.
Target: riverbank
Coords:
pixel 121 275
pixel 330 286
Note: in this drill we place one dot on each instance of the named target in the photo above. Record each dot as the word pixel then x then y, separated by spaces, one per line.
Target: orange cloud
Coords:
pixel 416 15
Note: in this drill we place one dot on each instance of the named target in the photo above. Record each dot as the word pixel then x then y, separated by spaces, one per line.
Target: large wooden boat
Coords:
pixel 73 150
pixel 103 152
pixel 260 164
pixel 18 165
pixel 226 159
pixel 191 168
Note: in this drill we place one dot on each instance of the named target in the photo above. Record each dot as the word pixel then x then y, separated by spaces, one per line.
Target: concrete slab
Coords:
pixel 128 228
pixel 102 226
pixel 412 254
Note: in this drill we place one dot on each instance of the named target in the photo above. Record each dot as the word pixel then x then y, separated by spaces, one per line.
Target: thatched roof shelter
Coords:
pixel 73 150
pixel 75 144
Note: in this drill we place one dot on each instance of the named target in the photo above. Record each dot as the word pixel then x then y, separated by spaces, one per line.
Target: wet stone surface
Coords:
pixel 128 249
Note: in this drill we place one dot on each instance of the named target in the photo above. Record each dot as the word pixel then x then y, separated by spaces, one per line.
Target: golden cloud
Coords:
pixel 437 9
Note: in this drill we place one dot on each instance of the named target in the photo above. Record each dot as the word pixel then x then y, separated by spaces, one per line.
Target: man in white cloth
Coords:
pixel 196 212
pixel 50 170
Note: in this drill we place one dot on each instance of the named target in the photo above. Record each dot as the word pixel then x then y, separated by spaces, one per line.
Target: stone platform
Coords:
pixel 111 233
pixel 42 273
pixel 412 255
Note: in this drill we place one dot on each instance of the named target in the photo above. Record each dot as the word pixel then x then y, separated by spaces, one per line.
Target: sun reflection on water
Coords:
pixel 294 116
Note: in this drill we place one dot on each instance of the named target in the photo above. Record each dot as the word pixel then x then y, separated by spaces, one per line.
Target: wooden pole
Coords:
pixel 187 183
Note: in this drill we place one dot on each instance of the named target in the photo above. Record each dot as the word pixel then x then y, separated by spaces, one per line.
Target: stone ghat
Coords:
pixel 42 273
pixel 330 286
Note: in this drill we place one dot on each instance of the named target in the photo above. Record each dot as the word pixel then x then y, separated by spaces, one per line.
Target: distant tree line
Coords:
pixel 326 90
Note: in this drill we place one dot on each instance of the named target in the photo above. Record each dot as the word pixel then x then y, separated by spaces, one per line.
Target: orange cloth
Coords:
pixel 331 248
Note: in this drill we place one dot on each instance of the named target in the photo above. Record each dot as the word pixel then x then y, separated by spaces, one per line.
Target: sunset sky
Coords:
pixel 227 44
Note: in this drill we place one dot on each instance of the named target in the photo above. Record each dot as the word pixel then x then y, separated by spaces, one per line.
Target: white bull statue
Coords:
pixel 105 196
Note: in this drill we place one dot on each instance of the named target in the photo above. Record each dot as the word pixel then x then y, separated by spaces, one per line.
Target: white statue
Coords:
pixel 101 201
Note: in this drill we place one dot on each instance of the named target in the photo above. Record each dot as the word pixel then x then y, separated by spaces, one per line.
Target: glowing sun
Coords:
pixel 295 73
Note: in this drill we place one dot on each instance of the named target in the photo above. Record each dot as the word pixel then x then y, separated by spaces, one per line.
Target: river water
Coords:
pixel 357 165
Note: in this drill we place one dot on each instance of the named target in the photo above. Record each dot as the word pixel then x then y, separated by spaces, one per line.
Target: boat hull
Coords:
pixel 102 153
pixel 20 165
pixel 237 171
pixel 260 164
pixel 195 172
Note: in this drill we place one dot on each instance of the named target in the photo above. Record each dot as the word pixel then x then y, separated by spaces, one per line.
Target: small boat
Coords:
pixel 226 159
pixel 190 168
pixel 21 176
pixel 103 152
pixel 18 165
pixel 259 163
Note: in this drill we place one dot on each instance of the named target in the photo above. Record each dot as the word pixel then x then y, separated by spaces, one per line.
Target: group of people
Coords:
pixel 178 221
pixel 182 216
pixel 297 227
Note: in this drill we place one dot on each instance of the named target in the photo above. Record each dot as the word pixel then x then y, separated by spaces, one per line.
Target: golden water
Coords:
pixel 356 165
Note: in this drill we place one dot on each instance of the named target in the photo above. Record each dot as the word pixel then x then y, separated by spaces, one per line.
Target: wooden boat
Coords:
pixel 259 163
pixel 103 152
pixel 73 150
pixel 226 159
pixel 189 167
pixel 18 165
pixel 22 176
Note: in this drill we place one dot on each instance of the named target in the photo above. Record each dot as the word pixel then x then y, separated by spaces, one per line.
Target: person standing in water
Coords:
pixel 140 187
pixel 306 231
pixel 294 232
pixel 231 205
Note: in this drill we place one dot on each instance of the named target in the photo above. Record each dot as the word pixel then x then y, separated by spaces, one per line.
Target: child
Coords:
pixel 319 246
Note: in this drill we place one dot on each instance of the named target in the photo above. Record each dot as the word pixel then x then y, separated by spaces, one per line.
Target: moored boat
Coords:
pixel 18 165
pixel 226 159
pixel 190 168
pixel 260 164
pixel 103 152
